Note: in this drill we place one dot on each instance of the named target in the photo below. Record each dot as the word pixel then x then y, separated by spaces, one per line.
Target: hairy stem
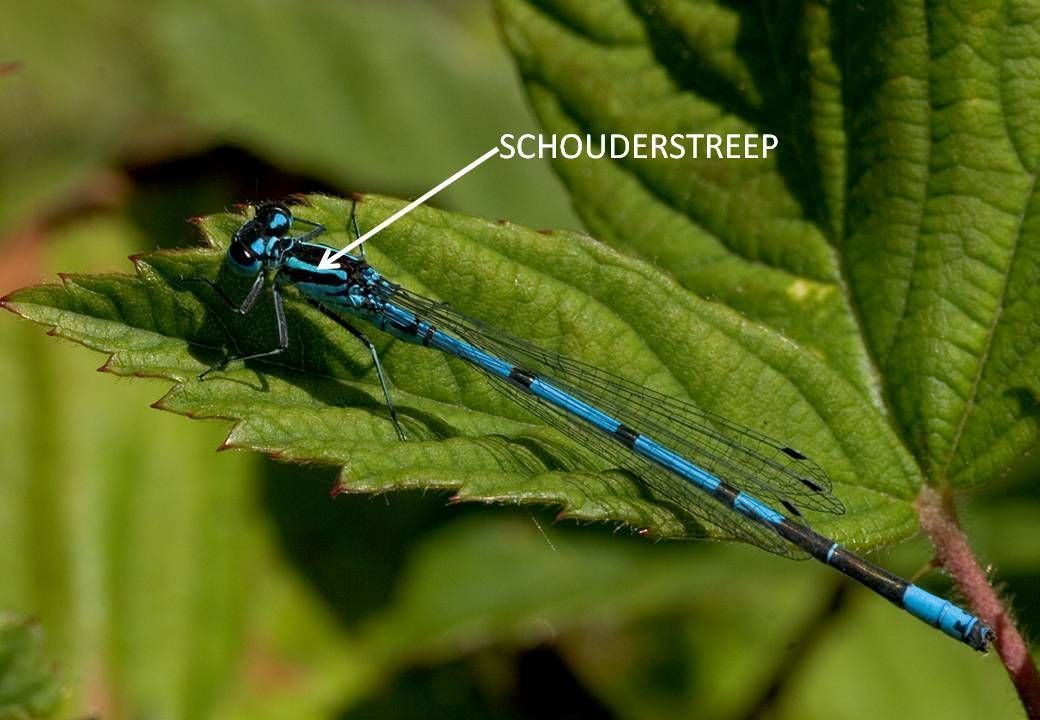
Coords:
pixel 939 520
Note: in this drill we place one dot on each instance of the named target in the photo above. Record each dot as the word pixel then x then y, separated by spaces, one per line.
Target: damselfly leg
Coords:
pixel 316 230
pixel 243 309
pixel 353 224
pixel 363 339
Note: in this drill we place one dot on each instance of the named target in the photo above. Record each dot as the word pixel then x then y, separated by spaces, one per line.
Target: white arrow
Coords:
pixel 331 260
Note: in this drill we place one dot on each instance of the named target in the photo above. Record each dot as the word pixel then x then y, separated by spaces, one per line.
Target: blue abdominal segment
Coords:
pixel 947 617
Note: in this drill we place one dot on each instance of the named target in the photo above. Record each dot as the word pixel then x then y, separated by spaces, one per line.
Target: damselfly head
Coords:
pixel 258 239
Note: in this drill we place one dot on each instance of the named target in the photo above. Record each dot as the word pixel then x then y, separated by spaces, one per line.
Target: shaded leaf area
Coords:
pixel 319 402
pixel 894 232
pixel 29 686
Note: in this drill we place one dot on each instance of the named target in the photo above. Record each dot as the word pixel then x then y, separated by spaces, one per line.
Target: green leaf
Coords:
pixel 320 403
pixel 733 231
pixel 29 687
pixel 895 232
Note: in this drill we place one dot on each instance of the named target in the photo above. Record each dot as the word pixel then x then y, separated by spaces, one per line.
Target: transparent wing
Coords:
pixel 673 492
pixel 746 459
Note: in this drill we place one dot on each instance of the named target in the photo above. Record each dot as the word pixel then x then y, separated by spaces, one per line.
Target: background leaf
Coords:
pixel 892 233
pixel 344 95
pixel 736 232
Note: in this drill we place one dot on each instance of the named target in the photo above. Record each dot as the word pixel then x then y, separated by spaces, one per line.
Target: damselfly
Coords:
pixel 741 482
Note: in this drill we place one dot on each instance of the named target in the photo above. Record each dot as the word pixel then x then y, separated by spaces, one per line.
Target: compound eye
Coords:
pixel 275 219
pixel 241 255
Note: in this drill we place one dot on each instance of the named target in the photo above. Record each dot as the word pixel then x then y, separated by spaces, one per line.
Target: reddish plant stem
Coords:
pixel 939 520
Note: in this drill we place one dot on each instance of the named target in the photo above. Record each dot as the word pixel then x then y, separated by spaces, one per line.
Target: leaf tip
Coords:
pixel 67 279
pixel 336 490
pixel 139 261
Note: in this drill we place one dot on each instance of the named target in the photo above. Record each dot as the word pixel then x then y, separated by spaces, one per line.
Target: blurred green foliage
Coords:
pixel 29 686
pixel 175 582
pixel 351 94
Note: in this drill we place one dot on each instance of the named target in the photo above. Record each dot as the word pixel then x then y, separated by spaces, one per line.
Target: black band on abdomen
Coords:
pixel 877 579
pixel 726 493
pixel 626 435
pixel 522 377
pixel 830 553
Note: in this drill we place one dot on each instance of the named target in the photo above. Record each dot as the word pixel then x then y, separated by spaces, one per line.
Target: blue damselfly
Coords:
pixel 747 485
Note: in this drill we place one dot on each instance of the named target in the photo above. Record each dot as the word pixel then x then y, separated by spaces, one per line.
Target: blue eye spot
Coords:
pixel 278 224
pixel 274 219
